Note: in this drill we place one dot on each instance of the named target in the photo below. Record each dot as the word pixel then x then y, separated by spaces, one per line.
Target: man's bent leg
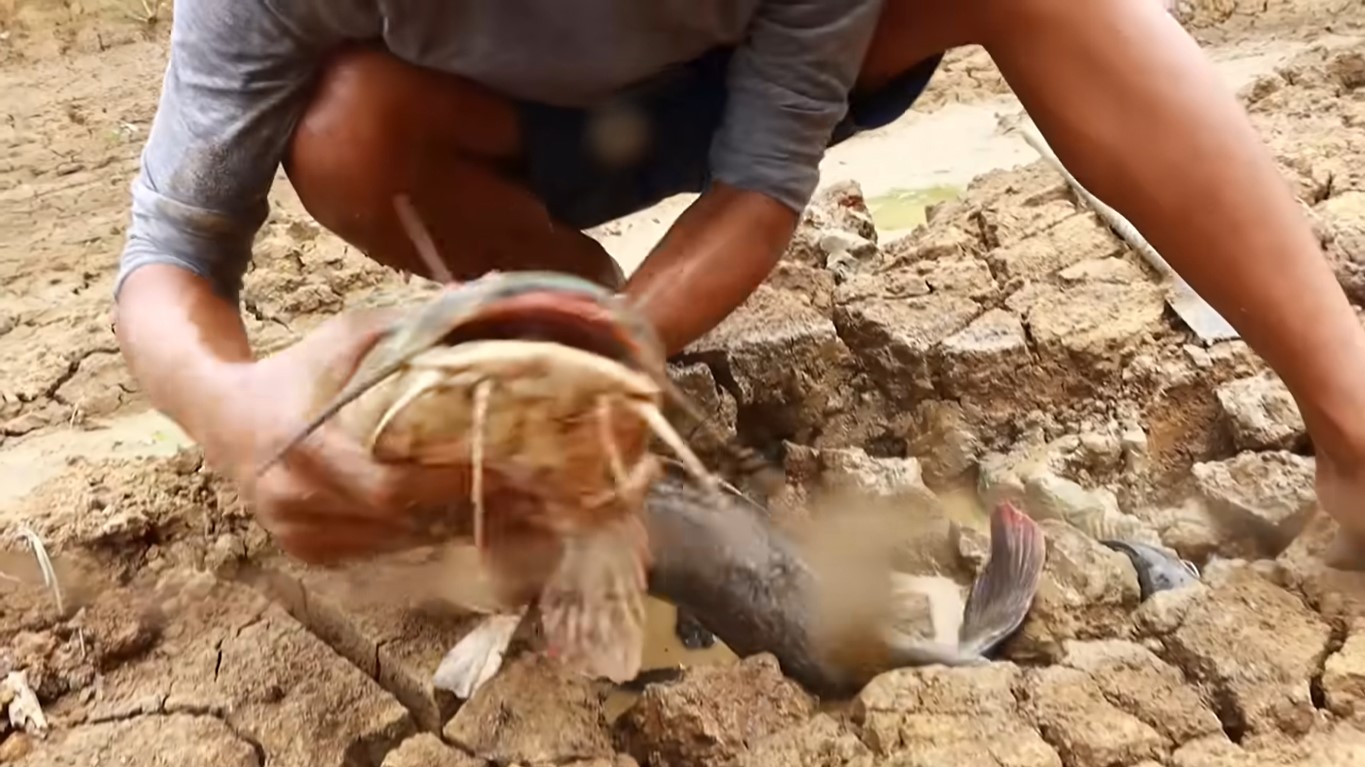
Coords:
pixel 378 128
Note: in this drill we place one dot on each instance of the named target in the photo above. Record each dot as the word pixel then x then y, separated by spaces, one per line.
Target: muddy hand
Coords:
pixel 327 500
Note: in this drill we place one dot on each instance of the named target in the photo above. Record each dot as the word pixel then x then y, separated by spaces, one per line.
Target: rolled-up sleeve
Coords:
pixel 234 87
pixel 788 88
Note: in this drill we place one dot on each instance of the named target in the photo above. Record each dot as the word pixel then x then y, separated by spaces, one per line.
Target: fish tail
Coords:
pixel 593 607
pixel 1003 593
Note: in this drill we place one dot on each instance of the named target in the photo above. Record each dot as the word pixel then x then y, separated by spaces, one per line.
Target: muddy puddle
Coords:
pixel 26 465
pixel 904 209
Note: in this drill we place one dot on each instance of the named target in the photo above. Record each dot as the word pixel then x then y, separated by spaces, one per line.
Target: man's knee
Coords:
pixel 912 31
pixel 374 123
pixel 367 94
pixel 377 128
pixel 349 129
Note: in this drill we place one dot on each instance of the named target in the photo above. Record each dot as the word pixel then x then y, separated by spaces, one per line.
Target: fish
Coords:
pixel 746 580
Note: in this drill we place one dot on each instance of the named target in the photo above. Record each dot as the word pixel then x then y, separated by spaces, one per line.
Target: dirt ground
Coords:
pixel 1008 347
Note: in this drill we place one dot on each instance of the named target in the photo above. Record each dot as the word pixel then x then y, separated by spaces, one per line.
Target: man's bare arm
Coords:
pixel 181 341
pixel 715 255
pixel 234 84
pixel 1137 111
pixel 788 88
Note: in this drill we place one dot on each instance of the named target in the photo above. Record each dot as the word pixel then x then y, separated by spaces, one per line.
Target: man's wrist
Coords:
pixel 184 345
pixel 1324 371
pixel 709 262
pixel 201 400
pixel 1337 427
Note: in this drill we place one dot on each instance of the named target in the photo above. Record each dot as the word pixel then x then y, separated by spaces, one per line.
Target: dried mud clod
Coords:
pixel 533 713
pixel 1257 650
pixel 712 715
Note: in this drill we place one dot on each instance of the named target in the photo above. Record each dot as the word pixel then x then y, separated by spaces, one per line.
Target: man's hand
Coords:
pixel 326 499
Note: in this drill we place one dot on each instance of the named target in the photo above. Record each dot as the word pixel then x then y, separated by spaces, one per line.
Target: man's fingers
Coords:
pixel 330 479
pixel 310 490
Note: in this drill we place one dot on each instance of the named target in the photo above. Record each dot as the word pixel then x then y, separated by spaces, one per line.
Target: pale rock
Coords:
pixel 1111 269
pixel 895 478
pixel 950 716
pixel 712 714
pixel 1342 227
pixel 533 711
pixel 1085 728
pixel 1271 495
pixel 983 356
pixel 929 243
pixel 965 276
pixel 944 441
pixel 820 742
pixel 427 750
pixel 894 283
pixel 1133 678
pixel 1008 224
pixel 1074 239
pixel 1097 323
pixel 1253 645
pixel 1343 678
pixel 1094 512
pixel 837 242
pixel 1261 414
pixel 841 205
pixel 780 354
pixel 1087 591
pixel 894 339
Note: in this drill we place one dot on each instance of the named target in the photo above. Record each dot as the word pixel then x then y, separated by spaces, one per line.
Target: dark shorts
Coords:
pixel 682 108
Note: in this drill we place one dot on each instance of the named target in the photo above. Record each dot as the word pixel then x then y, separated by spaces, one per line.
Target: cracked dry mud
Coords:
pixel 1010 348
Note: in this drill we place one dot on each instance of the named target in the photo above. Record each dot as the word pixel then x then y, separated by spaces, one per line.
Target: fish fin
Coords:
pixel 1157 569
pixel 593 607
pixel 478 656
pixel 1003 593
pixel 906 648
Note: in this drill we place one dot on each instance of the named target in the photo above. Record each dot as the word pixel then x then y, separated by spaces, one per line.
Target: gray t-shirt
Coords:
pixel 239 73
